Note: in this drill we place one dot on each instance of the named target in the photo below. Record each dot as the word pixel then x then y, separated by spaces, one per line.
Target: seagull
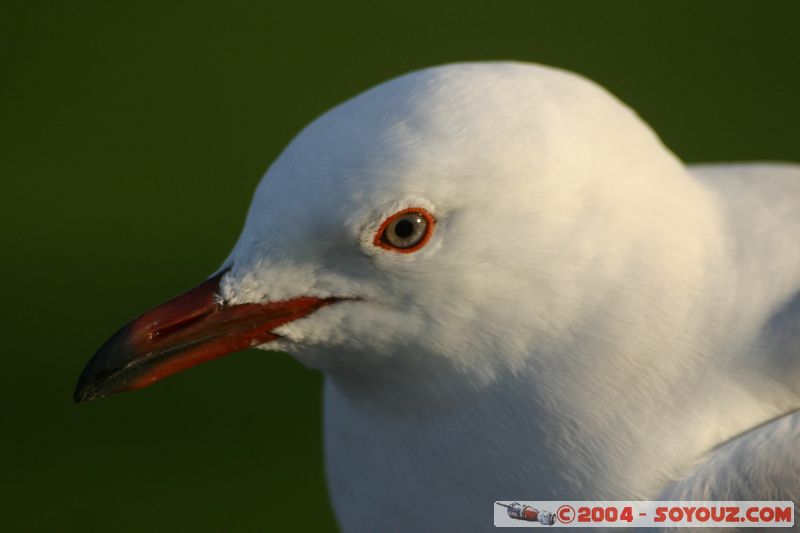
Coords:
pixel 514 290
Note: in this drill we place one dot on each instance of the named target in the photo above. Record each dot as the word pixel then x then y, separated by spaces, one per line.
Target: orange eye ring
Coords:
pixel 416 220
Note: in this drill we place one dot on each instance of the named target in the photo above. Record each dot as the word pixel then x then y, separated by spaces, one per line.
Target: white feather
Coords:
pixel 589 320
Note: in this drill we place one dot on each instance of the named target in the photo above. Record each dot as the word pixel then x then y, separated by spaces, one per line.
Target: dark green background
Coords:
pixel 132 137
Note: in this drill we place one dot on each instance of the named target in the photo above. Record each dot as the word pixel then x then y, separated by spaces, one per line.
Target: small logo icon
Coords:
pixel 529 514
pixel 565 514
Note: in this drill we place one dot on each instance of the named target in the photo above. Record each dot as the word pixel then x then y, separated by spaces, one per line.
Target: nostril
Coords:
pixel 158 331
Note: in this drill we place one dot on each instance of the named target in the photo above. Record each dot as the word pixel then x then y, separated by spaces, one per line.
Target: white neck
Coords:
pixel 620 422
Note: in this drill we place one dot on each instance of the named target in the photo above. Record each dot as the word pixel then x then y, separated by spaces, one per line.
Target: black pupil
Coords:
pixel 404 228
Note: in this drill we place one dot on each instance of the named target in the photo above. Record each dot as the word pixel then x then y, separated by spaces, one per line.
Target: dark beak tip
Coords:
pixel 84 392
pixel 96 378
pixel 87 393
pixel 91 382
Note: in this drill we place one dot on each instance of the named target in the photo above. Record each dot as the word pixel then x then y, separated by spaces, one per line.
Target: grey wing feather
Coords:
pixel 760 205
pixel 779 341
pixel 762 464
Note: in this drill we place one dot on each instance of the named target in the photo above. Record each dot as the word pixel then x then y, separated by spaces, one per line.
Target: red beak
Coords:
pixel 188 330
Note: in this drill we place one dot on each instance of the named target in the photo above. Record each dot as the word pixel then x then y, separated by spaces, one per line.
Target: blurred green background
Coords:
pixel 133 135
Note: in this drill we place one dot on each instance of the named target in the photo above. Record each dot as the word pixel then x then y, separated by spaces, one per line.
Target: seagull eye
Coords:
pixel 406 231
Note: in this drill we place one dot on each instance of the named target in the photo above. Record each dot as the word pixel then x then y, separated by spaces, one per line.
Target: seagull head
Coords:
pixel 457 221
